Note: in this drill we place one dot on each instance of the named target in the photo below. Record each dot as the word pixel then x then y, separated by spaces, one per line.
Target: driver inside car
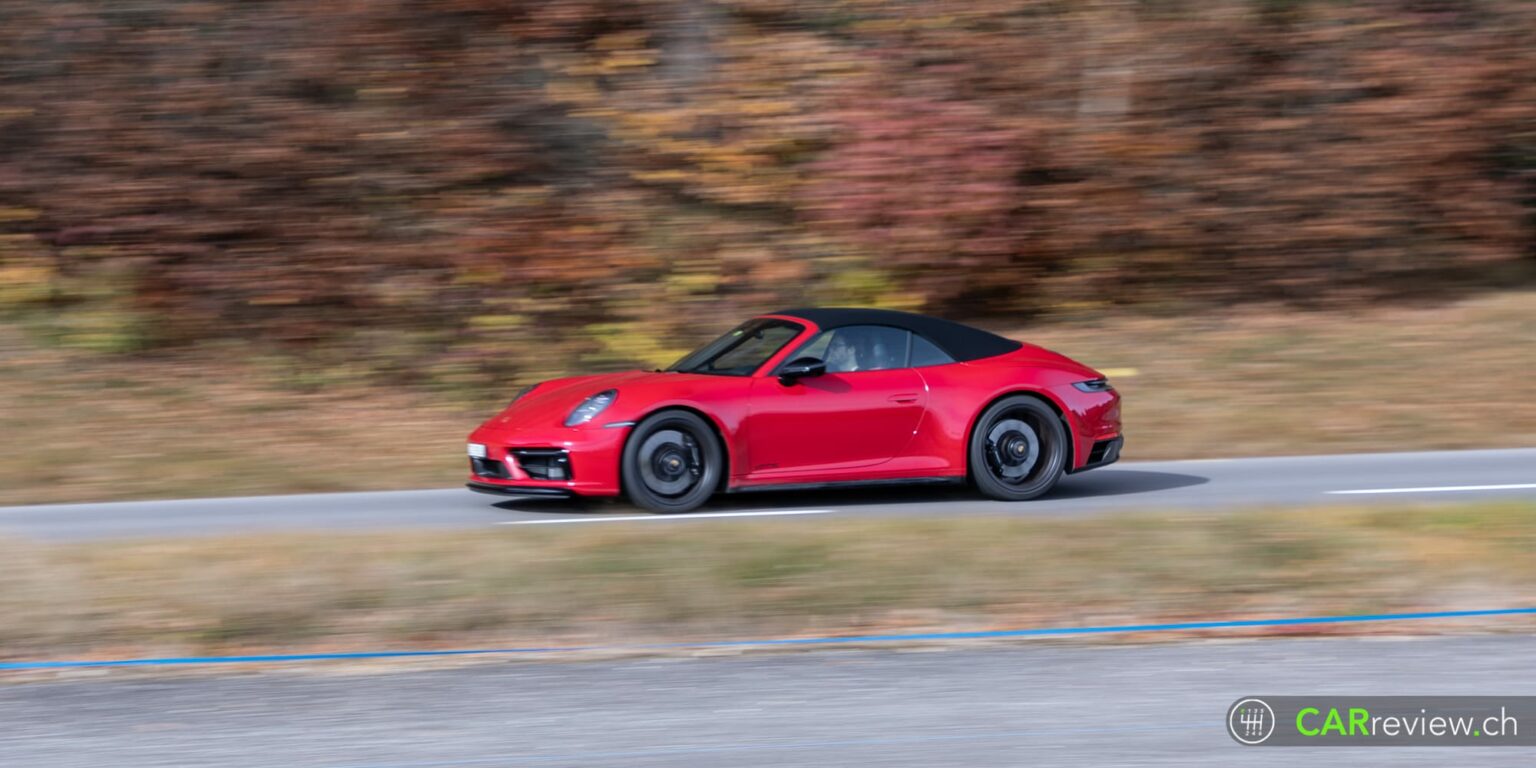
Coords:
pixel 842 357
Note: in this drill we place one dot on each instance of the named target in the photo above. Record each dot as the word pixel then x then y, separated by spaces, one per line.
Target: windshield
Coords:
pixel 741 351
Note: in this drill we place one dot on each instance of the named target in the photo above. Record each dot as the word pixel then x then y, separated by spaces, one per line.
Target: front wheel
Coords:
pixel 672 462
pixel 1018 449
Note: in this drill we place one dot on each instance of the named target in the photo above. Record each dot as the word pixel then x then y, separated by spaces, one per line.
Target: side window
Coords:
pixel 924 352
pixel 860 348
pixel 817 347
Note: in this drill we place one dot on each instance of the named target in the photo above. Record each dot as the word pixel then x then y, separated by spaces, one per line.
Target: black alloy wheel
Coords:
pixel 1018 449
pixel 672 462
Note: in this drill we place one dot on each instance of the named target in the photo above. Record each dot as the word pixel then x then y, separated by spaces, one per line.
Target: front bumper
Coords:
pixel 517 490
pixel 589 465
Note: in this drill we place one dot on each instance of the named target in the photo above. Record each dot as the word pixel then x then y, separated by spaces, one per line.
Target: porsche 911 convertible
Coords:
pixel 808 398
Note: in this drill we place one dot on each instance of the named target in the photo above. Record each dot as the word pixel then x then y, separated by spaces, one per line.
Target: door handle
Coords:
pixel 904 398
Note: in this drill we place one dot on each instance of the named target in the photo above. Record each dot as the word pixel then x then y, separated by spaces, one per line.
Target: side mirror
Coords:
pixel 801 368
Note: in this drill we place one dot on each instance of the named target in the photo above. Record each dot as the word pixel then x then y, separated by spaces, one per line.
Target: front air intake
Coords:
pixel 489 468
pixel 1104 452
pixel 543 463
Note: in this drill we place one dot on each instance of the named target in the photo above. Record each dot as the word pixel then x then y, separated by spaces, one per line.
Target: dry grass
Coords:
pixel 1274 382
pixel 627 584
pixel 78 427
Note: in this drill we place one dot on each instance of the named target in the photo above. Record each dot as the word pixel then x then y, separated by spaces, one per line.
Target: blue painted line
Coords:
pixel 840 640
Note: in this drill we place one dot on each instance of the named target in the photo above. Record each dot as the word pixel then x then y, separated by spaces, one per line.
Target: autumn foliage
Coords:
pixel 491 188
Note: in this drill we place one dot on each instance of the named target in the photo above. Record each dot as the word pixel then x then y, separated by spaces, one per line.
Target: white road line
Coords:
pixel 1443 489
pixel 623 518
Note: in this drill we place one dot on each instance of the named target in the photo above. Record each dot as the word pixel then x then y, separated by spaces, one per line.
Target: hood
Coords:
pixel 552 401
pixel 1040 357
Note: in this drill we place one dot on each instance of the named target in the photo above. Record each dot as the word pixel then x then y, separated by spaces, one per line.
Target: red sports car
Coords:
pixel 808 398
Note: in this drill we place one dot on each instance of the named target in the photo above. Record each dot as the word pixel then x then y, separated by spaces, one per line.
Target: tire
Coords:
pixel 1018 449
pixel 672 462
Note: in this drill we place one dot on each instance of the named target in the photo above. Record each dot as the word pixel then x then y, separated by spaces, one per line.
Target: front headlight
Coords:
pixel 591 407
pixel 1094 385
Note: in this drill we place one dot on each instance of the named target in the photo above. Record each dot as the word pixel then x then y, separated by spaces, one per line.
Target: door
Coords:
pixel 862 412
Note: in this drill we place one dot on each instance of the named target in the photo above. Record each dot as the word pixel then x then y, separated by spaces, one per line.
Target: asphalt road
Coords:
pixel 1179 485
pixel 998 706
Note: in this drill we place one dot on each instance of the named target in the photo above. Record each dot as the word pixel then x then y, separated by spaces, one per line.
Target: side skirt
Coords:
pixel 943 480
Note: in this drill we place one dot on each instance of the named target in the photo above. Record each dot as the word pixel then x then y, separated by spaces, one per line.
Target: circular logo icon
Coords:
pixel 1251 721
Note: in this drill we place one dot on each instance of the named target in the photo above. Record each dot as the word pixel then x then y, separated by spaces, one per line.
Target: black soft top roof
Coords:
pixel 962 342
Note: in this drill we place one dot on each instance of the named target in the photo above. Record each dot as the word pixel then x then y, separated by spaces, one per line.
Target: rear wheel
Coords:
pixel 1018 449
pixel 672 462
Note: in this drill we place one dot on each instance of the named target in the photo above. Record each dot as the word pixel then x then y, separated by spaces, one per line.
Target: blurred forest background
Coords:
pixel 477 190
pixel 452 197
